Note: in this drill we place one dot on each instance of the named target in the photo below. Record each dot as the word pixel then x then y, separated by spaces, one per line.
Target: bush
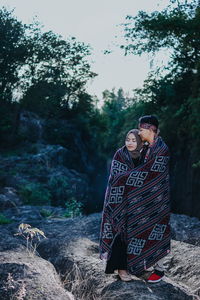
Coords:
pixel 4 220
pixel 60 189
pixel 35 194
pixel 46 213
pixel 73 208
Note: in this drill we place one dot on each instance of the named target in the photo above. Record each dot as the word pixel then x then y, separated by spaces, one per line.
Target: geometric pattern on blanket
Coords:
pixel 160 164
pixel 135 246
pixel 136 179
pixel 157 232
pixel 137 207
pixel 118 167
pixel 116 194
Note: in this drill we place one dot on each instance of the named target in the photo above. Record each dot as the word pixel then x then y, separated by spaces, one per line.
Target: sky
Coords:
pixel 94 22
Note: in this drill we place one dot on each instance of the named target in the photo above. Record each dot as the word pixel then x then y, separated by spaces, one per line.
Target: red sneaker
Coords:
pixel 156 276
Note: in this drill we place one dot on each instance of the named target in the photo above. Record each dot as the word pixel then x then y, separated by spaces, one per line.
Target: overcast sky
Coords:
pixel 94 22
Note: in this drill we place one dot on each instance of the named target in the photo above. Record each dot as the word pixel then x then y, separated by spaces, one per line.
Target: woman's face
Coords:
pixel 131 142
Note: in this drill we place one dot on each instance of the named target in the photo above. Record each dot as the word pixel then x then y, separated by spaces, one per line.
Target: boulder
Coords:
pixel 9 198
pixel 185 228
pixel 74 253
pixel 28 213
pixel 50 155
pixel 27 276
pixel 24 274
pixel 31 126
pixel 45 170
pixel 183 266
pixel 71 247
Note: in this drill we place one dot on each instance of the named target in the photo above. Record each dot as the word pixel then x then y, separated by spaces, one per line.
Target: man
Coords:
pixel 156 158
pixel 137 205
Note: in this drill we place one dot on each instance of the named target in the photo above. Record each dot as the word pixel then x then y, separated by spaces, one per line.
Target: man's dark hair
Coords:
pixel 149 119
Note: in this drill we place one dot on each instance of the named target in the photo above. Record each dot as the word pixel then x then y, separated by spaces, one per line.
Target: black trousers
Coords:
pixel 118 259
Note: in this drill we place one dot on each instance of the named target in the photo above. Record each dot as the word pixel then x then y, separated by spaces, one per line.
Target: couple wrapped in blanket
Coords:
pixel 135 229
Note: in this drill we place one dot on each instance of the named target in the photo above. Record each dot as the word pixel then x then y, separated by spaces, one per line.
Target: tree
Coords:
pixel 58 64
pixel 29 57
pixel 173 95
pixel 13 52
pixel 177 28
pixel 113 114
pixel 40 71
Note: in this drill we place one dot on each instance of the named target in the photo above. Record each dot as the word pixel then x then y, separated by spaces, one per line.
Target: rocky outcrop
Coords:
pixel 186 229
pixel 183 266
pixel 31 126
pixel 71 247
pixel 78 249
pixel 9 198
pixel 28 213
pixel 27 276
pixel 24 274
pixel 33 129
pixel 45 170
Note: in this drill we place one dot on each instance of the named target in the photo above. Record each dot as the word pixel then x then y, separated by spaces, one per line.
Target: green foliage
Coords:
pixel 40 72
pixel 113 115
pixel 32 60
pixel 13 52
pixel 35 194
pixel 73 208
pixel 58 132
pixel 193 113
pixel 46 213
pixel 63 195
pixel 4 220
pixel 177 27
pixel 60 189
pixel 61 77
pixel 196 165
pixel 173 97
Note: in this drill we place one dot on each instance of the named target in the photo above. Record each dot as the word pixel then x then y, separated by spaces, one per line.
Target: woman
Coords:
pixel 135 229
pixel 115 206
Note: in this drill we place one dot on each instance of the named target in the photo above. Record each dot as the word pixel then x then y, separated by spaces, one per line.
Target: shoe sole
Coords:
pixel 155 281
pixel 123 278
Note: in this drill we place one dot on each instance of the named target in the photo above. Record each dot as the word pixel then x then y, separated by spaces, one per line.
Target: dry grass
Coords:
pixel 82 286
pixel 15 290
pixel 32 235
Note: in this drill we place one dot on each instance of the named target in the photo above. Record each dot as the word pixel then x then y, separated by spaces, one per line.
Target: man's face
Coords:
pixel 145 134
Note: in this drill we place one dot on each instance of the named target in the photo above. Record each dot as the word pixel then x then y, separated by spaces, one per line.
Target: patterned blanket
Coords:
pixel 137 208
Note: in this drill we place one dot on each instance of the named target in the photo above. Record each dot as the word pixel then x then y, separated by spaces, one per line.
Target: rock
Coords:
pixel 28 213
pixel 51 155
pixel 75 248
pixel 9 198
pixel 68 133
pixel 24 214
pixel 77 184
pixel 29 277
pixel 183 266
pixel 46 171
pixel 31 126
pixel 185 228
pixel 46 155
pixel 72 247
pixel 23 273
pixel 36 130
